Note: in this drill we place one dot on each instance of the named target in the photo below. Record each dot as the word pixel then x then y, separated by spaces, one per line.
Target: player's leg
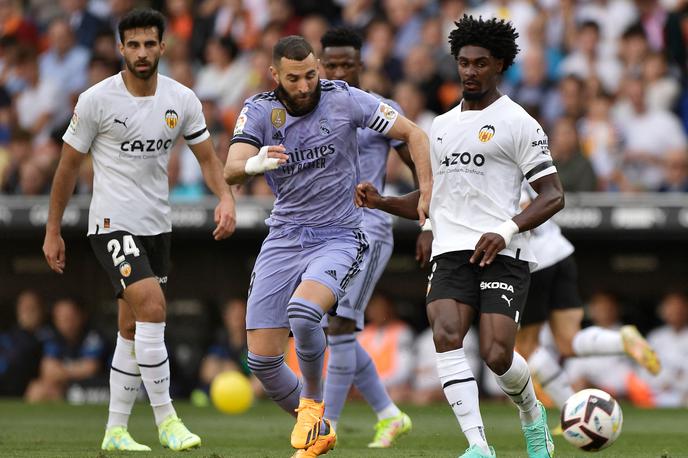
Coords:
pixel 504 288
pixel 341 365
pixel 332 265
pixel 125 383
pixel 453 277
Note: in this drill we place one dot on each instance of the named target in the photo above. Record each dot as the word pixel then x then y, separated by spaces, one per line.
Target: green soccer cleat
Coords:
pixel 539 441
pixel 118 438
pixel 174 435
pixel 475 451
pixel 389 429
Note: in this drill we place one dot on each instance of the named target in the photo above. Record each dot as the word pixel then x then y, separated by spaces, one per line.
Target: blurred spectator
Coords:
pixel 534 87
pixel 64 64
pixel 567 101
pixel 407 24
pixel 105 46
pixel 357 14
pixel 412 102
pixel 14 24
pixel 652 17
pixel 100 68
pixel 599 140
pixel 224 76
pixel 22 346
pixel 675 171
pixel 34 177
pixel 519 12
pixel 180 20
pixel 312 28
pixel 675 37
pixel 376 52
pixel 20 151
pixel 389 342
pixel 575 171
pixel 614 15
pixel 590 59
pixel 421 70
pixel 662 89
pixel 634 48
pixel 647 134
pixel 85 24
pixel 608 373
pixel 36 106
pixel 75 354
pixel 670 387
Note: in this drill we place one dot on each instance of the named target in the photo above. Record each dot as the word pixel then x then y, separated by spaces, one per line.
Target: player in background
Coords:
pixel 129 122
pixel 303 137
pixel 348 362
pixel 480 153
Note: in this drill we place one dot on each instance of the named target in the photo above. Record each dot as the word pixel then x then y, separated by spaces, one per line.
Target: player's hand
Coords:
pixel 367 195
pixel 225 218
pixel 54 252
pixel 424 205
pixel 424 247
pixel 487 248
pixel 268 158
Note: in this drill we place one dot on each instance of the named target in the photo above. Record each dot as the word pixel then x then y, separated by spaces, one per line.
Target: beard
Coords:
pixel 473 96
pixel 301 105
pixel 144 75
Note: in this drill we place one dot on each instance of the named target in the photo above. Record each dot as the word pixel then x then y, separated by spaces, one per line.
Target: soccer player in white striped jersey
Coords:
pixel 129 122
pixel 480 153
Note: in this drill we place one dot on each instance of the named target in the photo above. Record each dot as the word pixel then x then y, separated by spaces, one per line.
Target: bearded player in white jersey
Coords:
pixel 129 122
pixel 481 151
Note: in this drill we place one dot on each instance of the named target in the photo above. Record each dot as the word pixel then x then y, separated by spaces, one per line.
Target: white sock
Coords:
pixel 151 355
pixel 388 412
pixel 516 384
pixel 595 340
pixel 552 377
pixel 125 382
pixel 461 391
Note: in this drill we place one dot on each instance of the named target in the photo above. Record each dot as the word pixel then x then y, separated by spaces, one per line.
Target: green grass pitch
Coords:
pixel 60 430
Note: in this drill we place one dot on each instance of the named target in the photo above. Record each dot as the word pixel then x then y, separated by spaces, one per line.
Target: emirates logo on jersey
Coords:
pixel 486 133
pixel 171 118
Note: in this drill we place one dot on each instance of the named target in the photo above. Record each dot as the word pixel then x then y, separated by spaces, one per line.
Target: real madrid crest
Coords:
pixel 171 118
pixel 324 127
pixel 278 117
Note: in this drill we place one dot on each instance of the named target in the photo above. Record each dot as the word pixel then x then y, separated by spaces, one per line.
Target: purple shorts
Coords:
pixel 332 257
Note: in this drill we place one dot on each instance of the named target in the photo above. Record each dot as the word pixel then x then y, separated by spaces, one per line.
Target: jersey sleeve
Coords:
pixel 84 125
pixel 369 111
pixel 394 143
pixel 532 150
pixel 195 129
pixel 249 127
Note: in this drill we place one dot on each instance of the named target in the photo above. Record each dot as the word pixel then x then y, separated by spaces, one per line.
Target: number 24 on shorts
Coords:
pixel 128 246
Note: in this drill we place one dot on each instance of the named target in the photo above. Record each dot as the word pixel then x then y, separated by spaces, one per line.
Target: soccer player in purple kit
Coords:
pixel 349 363
pixel 302 136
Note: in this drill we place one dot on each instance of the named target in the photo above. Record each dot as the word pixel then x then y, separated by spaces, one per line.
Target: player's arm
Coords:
pixel 64 182
pixel 405 206
pixel 419 148
pixel 550 200
pixel 225 212
pixel 405 155
pixel 245 160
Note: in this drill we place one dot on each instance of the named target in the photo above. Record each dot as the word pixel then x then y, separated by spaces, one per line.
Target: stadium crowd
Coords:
pixel 64 355
pixel 606 78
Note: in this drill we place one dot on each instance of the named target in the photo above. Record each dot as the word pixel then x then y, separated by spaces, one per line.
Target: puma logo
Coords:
pixel 439 139
pixel 124 123
pixel 508 301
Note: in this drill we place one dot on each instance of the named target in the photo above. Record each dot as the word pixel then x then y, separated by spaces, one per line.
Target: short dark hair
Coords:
pixel 341 36
pixel 141 18
pixel 292 47
pixel 495 35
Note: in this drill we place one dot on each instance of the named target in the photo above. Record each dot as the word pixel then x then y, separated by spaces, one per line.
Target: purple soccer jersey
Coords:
pixel 374 151
pixel 315 188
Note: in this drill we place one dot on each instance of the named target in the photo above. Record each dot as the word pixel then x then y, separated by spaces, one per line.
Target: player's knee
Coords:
pixel 446 337
pixel 337 326
pixel 497 356
pixel 127 329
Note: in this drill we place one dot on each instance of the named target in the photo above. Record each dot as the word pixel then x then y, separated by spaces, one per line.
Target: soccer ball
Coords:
pixel 231 392
pixel 591 420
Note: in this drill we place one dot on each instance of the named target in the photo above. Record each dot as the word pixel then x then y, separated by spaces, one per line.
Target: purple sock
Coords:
pixel 279 382
pixel 368 382
pixel 341 368
pixel 309 338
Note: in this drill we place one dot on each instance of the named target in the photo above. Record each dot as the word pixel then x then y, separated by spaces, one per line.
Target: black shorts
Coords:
pixel 553 288
pixel 501 287
pixel 128 258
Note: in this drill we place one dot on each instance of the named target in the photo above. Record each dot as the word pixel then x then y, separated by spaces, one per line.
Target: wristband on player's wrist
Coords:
pixel 507 230
pixel 427 226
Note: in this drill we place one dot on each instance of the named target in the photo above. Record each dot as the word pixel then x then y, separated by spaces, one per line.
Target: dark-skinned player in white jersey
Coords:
pixel 480 153
pixel 129 123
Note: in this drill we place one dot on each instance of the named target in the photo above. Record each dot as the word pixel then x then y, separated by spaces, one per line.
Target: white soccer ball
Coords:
pixel 591 420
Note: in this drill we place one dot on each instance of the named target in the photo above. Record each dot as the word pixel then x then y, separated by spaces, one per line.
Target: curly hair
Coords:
pixel 341 36
pixel 495 35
